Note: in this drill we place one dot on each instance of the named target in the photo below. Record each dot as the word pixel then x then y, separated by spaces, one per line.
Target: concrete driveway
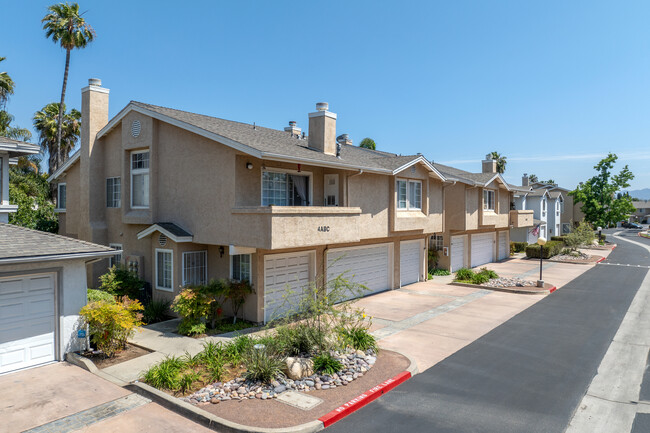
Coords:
pixel 432 320
pixel 62 397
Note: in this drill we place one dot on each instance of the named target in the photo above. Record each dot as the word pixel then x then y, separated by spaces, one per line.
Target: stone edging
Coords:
pixel 521 291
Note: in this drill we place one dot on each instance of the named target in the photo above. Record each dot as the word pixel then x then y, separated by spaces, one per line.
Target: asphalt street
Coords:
pixel 527 375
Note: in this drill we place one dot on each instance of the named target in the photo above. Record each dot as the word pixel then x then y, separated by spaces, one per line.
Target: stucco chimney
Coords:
pixel 525 180
pixel 322 129
pixel 489 164
pixel 292 128
pixel 94 116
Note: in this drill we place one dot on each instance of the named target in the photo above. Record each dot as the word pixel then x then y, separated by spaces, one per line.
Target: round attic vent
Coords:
pixel 135 128
pixel 162 240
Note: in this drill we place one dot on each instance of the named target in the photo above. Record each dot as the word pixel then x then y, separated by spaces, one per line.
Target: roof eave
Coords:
pixel 155 227
pixel 66 165
pixel 52 257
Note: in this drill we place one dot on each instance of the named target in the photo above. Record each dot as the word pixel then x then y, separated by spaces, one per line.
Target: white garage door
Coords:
pixel 371 266
pixel 286 276
pixel 482 249
pixel 504 249
pixel 410 261
pixel 26 321
pixel 457 252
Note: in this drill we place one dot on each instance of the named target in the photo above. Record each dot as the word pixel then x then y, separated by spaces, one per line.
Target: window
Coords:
pixel 61 196
pixel 435 243
pixel 543 208
pixel 164 270
pixel 117 258
pixel 195 268
pixel 284 189
pixel 140 179
pixel 488 200
pixel 409 194
pixel 113 192
pixel 240 268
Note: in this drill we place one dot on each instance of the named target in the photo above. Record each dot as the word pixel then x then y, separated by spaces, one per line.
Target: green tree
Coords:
pixel 501 161
pixel 533 178
pixel 30 191
pixel 66 26
pixel 600 204
pixel 368 143
pixel 6 86
pixel 47 126
pixel 15 132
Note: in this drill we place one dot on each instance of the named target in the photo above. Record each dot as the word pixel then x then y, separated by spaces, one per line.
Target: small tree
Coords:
pixel 119 281
pixel 236 293
pixel 368 143
pixel 112 323
pixel 582 235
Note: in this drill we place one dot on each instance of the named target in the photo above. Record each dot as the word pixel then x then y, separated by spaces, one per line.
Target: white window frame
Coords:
pixel 309 174
pixel 436 242
pixel 409 206
pixel 250 271
pixel 119 200
pixel 171 253
pixel 139 171
pixel 58 197
pixel 486 200
pixel 205 266
pixel 543 207
pixel 111 259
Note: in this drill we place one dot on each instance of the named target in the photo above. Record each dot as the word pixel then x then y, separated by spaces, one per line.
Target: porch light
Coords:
pixel 249 165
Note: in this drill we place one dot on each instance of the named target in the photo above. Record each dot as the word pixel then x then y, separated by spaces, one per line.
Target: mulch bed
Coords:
pixel 127 354
pixel 275 414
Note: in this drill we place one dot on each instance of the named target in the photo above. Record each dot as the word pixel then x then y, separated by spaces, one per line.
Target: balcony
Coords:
pixel 277 227
pixel 521 218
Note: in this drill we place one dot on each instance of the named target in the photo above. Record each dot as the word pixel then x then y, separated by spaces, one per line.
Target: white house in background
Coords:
pixel 10 149
pixel 538 202
pixel 42 289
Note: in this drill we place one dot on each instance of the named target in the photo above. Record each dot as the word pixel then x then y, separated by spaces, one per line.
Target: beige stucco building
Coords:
pixel 189 197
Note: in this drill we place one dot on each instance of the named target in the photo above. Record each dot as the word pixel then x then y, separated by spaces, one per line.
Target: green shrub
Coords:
pixel 166 374
pixel 359 338
pixel 518 247
pixel 193 304
pixel 119 281
pixel 99 295
pixel 552 248
pixel 112 323
pixel 440 272
pixel 236 293
pixel 489 272
pixel 262 365
pixel 559 238
pixel 156 311
pixel 326 363
pixel 294 339
pixel 237 348
pixel 432 260
pixel 581 235
pixel 214 358
pixel 479 278
pixel 464 274
pixel 187 379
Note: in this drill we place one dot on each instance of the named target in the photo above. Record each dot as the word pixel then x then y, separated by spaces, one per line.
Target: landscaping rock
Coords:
pixel 279 389
pixel 214 400
pixel 297 368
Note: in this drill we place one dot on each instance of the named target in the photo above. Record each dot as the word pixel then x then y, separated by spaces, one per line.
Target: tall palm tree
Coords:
pixel 47 125
pixel 501 162
pixel 6 86
pixel 65 25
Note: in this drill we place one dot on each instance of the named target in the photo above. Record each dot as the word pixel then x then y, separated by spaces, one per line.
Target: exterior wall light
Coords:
pixel 249 165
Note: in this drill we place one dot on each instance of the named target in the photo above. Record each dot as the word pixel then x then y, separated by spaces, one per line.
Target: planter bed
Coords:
pixel 131 352
pixel 516 286
pixel 563 258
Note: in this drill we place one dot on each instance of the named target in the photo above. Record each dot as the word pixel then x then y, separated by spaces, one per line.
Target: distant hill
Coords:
pixel 643 194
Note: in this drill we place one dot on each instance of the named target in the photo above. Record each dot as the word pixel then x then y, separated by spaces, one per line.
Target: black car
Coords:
pixel 636 226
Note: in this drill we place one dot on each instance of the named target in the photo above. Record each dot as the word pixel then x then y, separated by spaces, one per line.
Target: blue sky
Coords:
pixel 552 85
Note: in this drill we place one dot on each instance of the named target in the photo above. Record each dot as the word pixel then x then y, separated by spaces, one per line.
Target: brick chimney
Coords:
pixel 525 181
pixel 489 164
pixel 94 116
pixel 322 129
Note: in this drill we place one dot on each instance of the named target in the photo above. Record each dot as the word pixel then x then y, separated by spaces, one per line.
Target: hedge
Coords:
pixel 518 247
pixel 559 239
pixel 552 248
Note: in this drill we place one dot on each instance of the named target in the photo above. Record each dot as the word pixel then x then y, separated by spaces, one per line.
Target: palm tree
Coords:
pixel 368 143
pixel 65 26
pixel 15 132
pixel 501 162
pixel 6 86
pixel 46 123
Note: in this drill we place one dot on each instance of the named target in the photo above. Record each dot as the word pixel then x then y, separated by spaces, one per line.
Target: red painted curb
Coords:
pixel 363 399
pixel 600 259
pixel 552 289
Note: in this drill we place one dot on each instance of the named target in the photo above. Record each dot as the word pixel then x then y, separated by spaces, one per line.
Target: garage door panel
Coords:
pixel 457 252
pixel 285 279
pixel 410 261
pixel 503 245
pixel 27 321
pixel 482 250
pixel 369 266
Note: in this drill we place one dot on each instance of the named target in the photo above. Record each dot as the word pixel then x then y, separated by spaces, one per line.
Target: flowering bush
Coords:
pixel 112 323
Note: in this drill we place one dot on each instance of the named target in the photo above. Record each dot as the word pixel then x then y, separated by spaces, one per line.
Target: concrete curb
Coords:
pixel 209 420
pixel 88 365
pixel 521 291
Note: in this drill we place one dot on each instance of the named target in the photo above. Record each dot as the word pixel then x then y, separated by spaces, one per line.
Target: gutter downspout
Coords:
pixel 347 187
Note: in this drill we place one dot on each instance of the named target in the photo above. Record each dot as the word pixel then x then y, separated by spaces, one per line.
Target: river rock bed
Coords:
pixel 576 256
pixel 502 282
pixel 355 364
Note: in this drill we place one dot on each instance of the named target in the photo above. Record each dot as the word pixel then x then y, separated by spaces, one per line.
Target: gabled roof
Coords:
pixel 171 230
pixel 19 244
pixel 65 166
pixel 539 193
pixel 475 179
pixel 17 148
pixel 271 144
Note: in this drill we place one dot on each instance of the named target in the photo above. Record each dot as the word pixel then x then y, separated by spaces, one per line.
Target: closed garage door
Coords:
pixel 457 252
pixel 410 261
pixel 27 322
pixel 482 249
pixel 503 245
pixel 286 276
pixel 370 266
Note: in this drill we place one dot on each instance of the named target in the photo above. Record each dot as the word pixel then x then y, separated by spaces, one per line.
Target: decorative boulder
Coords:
pixel 297 368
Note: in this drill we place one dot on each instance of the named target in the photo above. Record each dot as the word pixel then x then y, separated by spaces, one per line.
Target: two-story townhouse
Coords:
pixel 478 216
pixel 642 211
pixel 189 197
pixel 9 150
